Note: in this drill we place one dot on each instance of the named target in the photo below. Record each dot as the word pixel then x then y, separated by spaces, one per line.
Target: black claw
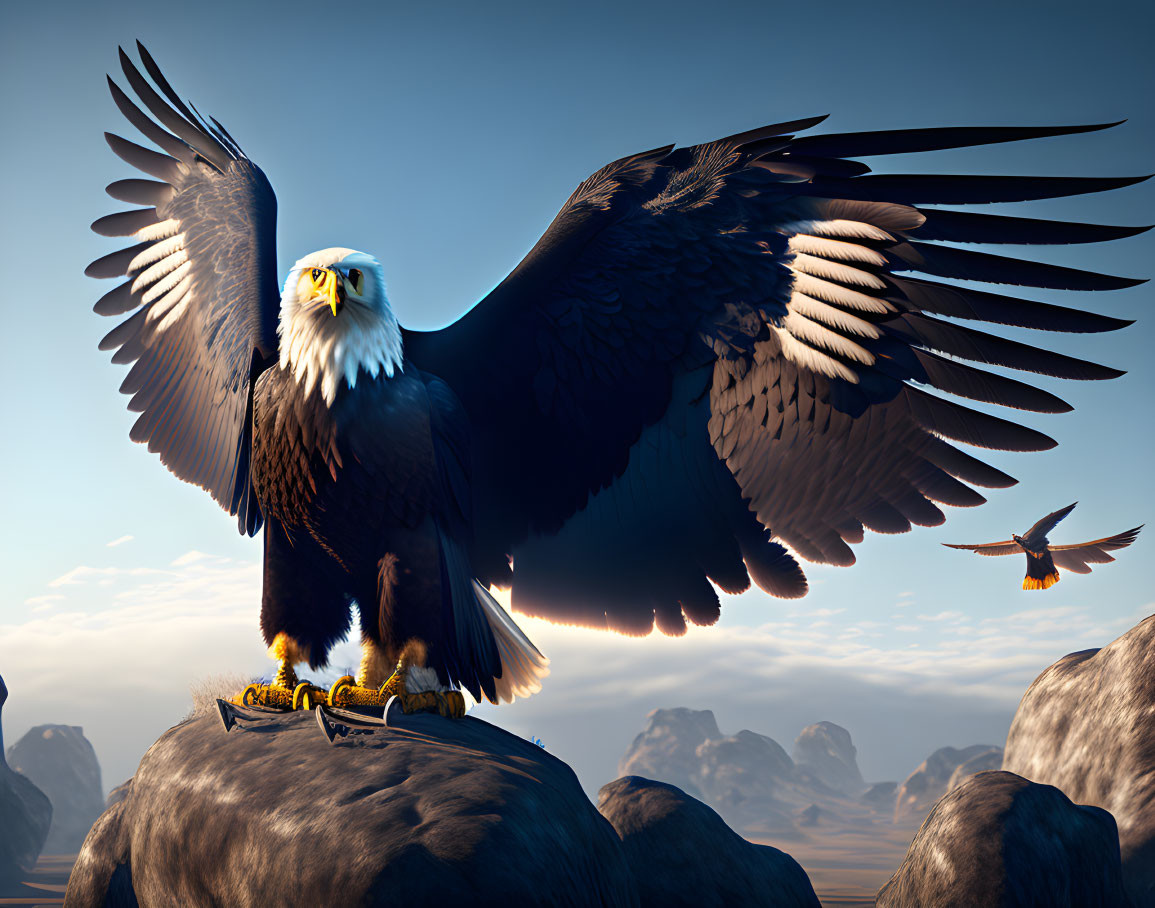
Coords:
pixel 228 714
pixel 344 724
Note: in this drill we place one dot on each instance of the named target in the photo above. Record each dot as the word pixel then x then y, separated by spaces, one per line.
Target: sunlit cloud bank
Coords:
pixel 115 649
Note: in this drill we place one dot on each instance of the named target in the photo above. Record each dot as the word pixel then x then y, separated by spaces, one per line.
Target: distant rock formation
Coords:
pixel 1087 726
pixel 61 762
pixel 683 854
pixel 880 796
pixel 667 747
pixel 826 751
pixel 999 840
pixel 980 762
pixel 923 787
pixel 431 811
pixel 747 777
pixel 25 816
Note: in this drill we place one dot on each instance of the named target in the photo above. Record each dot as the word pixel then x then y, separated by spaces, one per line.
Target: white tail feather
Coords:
pixel 522 664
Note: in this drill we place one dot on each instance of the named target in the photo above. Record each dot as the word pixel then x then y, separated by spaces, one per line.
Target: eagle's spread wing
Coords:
pixel 1007 547
pixel 1078 556
pixel 1036 536
pixel 741 321
pixel 201 285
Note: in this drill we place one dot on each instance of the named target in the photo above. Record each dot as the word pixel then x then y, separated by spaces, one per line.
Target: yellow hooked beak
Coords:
pixel 331 288
pixel 327 283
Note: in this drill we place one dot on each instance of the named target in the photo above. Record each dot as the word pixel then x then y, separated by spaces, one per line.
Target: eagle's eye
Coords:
pixel 316 275
pixel 357 280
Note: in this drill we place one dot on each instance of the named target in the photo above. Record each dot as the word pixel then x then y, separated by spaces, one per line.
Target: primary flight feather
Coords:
pixel 716 358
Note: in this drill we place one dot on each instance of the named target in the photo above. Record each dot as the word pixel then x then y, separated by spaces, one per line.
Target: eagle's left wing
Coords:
pixel 202 290
pixel 1077 556
pixel 713 344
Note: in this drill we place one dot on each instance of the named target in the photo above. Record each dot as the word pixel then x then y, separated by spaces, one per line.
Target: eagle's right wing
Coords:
pixel 202 281
pixel 1007 547
pixel 1077 556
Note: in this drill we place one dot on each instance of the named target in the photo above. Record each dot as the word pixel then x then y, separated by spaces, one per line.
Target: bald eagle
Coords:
pixel 717 359
pixel 1044 559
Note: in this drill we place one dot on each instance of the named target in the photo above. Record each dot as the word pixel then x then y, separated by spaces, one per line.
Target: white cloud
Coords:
pixel 43 603
pixel 189 558
pixel 119 541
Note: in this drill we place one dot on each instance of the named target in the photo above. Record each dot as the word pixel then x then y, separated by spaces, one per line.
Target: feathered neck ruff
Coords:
pixel 324 350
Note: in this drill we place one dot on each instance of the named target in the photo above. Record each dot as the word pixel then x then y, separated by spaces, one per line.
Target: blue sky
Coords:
pixel 443 139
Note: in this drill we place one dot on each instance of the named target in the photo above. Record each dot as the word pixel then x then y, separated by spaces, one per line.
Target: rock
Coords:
pixel 749 759
pixel 1087 725
pixel 25 816
pixel 667 747
pixel 682 853
pixel 436 812
pixel 826 751
pixel 981 762
pixel 928 782
pixel 61 762
pixel 742 774
pixel 881 796
pixel 1001 841
pixel 118 794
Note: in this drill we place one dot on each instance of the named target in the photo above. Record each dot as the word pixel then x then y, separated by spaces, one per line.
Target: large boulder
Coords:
pixel 666 748
pixel 25 816
pixel 1000 841
pixel 682 853
pixel 60 761
pixel 826 752
pixel 1087 726
pixel 923 787
pixel 433 812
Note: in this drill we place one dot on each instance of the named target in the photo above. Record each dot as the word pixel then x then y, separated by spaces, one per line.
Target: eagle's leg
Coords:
pixel 286 691
pixel 416 687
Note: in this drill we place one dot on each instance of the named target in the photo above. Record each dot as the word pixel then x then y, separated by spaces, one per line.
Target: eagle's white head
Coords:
pixel 336 321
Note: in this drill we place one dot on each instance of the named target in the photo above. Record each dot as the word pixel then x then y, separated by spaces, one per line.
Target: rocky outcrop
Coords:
pixel 980 762
pixel 746 778
pixel 923 787
pixel 749 778
pixel 1000 841
pixel 1087 725
pixel 667 747
pixel 682 853
pixel 430 811
pixel 826 752
pixel 880 796
pixel 25 816
pixel 60 761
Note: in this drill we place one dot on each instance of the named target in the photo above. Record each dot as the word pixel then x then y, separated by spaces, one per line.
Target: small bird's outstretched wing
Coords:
pixel 715 347
pixel 202 287
pixel 1078 556
pixel 1007 547
pixel 1036 536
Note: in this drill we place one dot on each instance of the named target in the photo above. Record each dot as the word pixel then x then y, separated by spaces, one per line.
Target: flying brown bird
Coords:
pixel 1044 559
